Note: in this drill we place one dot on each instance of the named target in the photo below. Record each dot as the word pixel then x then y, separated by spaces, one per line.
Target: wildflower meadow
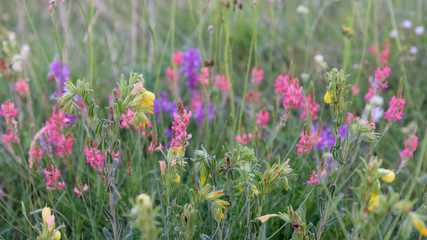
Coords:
pixel 213 119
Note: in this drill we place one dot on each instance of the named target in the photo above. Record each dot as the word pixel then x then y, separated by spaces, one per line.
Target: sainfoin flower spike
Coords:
pixel 395 111
pixel 310 106
pixel 52 175
pixel 181 120
pixel 314 179
pixel 306 141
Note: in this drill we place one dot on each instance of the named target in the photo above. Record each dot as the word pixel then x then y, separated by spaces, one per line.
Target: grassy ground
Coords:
pixel 101 40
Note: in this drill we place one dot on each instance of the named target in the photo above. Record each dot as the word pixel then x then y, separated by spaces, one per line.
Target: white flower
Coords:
pixel 406 24
pixel 414 50
pixel 419 30
pixel 376 100
pixel 25 49
pixel 17 63
pixel 320 61
pixel 302 9
pixel 393 33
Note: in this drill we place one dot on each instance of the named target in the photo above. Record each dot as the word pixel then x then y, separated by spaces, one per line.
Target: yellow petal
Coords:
pixel 373 201
pixel 389 175
pixel 57 235
pixel 149 96
pixel 177 179
pixel 327 97
pixel 265 218
pixel 420 226
pixel 46 213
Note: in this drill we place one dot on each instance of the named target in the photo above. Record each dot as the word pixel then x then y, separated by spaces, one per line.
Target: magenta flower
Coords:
pixel 314 179
pixel 64 145
pixel 8 110
pixel 172 75
pixel 36 152
pixel 52 175
pixel 262 118
pixel 221 82
pixel 78 192
pixel 177 58
pixel 94 158
pixel 280 84
pixel 310 106
pixel 127 120
pixel 179 129
pixel 411 145
pixel 395 111
pixel 21 87
pixel 203 77
pixel 153 147
pixel 292 95
pixel 306 141
pixel 258 75
pixel 243 138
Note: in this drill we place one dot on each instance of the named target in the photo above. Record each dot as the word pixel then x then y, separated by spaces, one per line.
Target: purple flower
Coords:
pixel 162 103
pixel 199 113
pixel 60 73
pixel 191 65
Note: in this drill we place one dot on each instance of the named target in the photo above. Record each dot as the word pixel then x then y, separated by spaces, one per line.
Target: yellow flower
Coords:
pixel 389 175
pixel 177 179
pixel 265 218
pixel 45 213
pixel 373 201
pixel 328 97
pixel 418 224
pixel 203 177
pixel 222 214
pixel 223 203
pixel 57 235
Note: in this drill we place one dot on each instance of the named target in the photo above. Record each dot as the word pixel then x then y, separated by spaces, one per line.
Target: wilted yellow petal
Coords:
pixel 265 218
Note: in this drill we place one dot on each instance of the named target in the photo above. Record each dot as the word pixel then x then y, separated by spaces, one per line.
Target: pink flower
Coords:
pixel 306 141
pixel 411 145
pixel 36 152
pixel 21 87
pixel 172 74
pixel 8 110
pixel 314 179
pixel 94 158
pixel 292 95
pixel 177 58
pixel 257 74
pixel 127 120
pixel 262 118
pixel 78 192
pixel 52 174
pixel 252 96
pixel 9 137
pixel 380 76
pixel 179 129
pixel 310 106
pixel 222 83
pixel 281 83
pixel 243 138
pixel 204 76
pixel 153 147
pixel 64 145
pixel 162 167
pixel 355 90
pixel 111 96
pixel 395 111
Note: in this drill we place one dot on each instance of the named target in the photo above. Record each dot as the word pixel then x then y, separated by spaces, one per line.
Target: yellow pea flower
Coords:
pixel 177 179
pixel 57 235
pixel 418 224
pixel 328 97
pixel 265 218
pixel 389 175
pixel 46 213
pixel 373 201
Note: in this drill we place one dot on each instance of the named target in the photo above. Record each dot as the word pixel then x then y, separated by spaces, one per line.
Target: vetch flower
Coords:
pixel 328 98
pixel 265 218
pixel 387 175
pixel 45 213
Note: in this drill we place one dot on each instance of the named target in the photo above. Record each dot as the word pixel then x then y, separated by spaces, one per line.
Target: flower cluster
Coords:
pixel 221 82
pixel 310 106
pixel 243 138
pixel 21 87
pixel 78 192
pixel 411 144
pixel 306 141
pixel 54 136
pixel 94 158
pixel 60 73
pixel 52 175
pixel 190 66
pixel 395 112
pixel 292 94
pixel 314 179
pixel 9 112
pixel 258 75
pixel 379 83
pixel 181 120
